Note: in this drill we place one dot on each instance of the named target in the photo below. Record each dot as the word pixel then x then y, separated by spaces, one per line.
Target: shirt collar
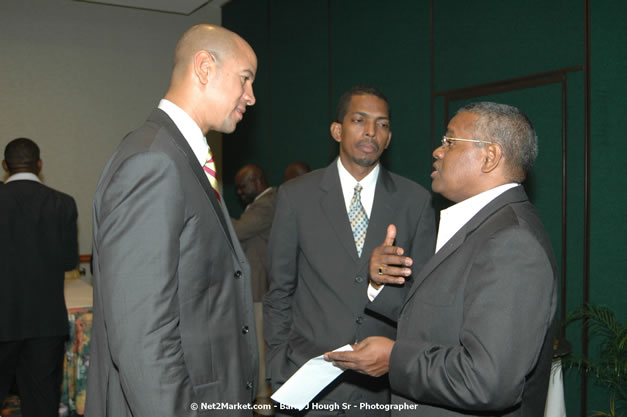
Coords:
pixel 349 182
pixel 455 217
pixel 188 128
pixel 266 191
pixel 368 183
pixel 23 176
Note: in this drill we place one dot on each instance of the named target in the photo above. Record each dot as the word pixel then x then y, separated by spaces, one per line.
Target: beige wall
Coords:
pixel 76 77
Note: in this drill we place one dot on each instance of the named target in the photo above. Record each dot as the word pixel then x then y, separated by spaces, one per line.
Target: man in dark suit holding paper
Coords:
pixel 476 330
pixel 173 312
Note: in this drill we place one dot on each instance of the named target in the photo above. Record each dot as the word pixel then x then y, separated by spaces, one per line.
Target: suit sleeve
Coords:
pixel 69 245
pixel 283 271
pixel 255 220
pixel 140 219
pixel 389 301
pixel 507 309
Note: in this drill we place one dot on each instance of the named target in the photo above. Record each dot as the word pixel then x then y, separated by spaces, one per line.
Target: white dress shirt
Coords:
pixel 261 194
pixel 455 217
pixel 23 176
pixel 188 128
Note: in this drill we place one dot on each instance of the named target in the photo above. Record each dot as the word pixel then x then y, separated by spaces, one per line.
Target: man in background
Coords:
pixel 253 231
pixel 327 223
pixel 296 169
pixel 39 243
pixel 173 309
pixel 475 333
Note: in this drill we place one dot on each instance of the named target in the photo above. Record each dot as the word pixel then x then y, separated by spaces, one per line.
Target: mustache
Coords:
pixel 369 142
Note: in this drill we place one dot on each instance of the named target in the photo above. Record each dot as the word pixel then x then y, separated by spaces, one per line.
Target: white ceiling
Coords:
pixel 185 7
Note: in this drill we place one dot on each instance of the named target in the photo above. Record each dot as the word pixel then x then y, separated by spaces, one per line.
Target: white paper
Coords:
pixel 308 381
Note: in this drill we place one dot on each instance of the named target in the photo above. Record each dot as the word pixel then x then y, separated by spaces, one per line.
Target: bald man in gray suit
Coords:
pixel 173 311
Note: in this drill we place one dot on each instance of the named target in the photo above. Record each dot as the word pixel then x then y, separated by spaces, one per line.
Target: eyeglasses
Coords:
pixel 446 141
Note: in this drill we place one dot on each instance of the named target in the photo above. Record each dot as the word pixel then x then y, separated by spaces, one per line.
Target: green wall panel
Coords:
pixel 310 52
pixel 481 41
pixel 299 85
pixel 608 80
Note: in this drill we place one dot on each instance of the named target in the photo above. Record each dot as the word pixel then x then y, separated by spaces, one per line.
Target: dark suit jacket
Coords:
pixel 253 231
pixel 38 244
pixel 475 334
pixel 173 315
pixel 318 284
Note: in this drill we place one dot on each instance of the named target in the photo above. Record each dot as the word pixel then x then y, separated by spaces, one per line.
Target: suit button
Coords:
pixel 237 274
pixel 249 385
pixel 359 279
pixel 244 329
pixel 359 320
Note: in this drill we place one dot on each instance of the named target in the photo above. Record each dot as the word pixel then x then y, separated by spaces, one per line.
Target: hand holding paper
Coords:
pixel 308 381
pixel 371 356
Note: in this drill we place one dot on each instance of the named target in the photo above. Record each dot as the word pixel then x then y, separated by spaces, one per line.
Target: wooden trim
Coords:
pixel 510 84
pixel 84 259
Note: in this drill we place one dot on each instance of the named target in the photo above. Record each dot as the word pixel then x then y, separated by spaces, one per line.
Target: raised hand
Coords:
pixel 387 263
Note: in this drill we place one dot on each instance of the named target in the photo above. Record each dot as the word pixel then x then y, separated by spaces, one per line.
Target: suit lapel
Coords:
pixel 334 208
pixel 516 194
pixel 160 117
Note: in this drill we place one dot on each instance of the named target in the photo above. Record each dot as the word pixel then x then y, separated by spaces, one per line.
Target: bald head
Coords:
pixel 296 169
pixel 250 181
pixel 212 78
pixel 220 42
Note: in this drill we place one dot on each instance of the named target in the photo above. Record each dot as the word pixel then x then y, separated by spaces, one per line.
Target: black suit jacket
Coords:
pixel 318 283
pixel 476 331
pixel 38 244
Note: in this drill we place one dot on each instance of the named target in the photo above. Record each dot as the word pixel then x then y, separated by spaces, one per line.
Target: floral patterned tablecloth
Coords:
pixel 76 362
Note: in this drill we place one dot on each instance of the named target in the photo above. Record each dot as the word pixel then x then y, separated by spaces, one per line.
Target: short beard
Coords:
pixel 364 162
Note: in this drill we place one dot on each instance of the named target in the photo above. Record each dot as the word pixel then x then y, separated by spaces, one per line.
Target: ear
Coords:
pixel 204 66
pixel 336 131
pixel 5 166
pixel 493 157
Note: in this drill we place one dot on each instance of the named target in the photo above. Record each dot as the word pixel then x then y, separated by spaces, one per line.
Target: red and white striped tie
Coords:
pixel 210 171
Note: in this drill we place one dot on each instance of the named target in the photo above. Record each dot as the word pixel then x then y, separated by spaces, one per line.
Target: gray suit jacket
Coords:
pixel 173 318
pixel 253 231
pixel 475 334
pixel 318 284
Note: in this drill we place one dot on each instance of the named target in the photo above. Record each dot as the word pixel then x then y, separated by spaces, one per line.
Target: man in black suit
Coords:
pixel 476 331
pixel 173 311
pixel 327 223
pixel 39 243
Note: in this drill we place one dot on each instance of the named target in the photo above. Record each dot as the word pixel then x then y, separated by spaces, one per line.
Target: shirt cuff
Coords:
pixel 373 292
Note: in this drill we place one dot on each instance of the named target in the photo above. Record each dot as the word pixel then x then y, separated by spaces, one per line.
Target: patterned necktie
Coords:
pixel 210 171
pixel 359 219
